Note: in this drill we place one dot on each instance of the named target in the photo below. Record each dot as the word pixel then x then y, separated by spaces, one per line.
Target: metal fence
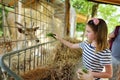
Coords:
pixel 21 61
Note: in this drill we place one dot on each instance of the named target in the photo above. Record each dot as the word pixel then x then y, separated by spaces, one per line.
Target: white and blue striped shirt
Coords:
pixel 92 60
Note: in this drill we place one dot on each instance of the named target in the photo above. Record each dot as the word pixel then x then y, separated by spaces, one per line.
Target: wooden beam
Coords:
pixel 109 1
pixel 67 17
pixel 81 18
pixel 52 1
pixel 28 2
pixel 12 2
pixel 113 2
pixel 94 9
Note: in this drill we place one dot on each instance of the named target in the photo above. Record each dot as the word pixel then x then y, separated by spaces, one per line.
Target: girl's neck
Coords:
pixel 93 43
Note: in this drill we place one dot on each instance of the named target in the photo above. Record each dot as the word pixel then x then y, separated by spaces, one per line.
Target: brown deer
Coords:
pixel 29 33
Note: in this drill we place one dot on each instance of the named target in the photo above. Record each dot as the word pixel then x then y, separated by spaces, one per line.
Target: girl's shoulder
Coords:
pixel 83 44
pixel 86 42
pixel 105 51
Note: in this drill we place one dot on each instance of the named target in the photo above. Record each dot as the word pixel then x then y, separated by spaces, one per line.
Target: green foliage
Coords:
pixel 7 9
pixel 110 14
pixel 80 27
pixel 51 35
pixel 85 70
pixel 1 33
pixel 106 10
pixel 82 6
pixel 1 22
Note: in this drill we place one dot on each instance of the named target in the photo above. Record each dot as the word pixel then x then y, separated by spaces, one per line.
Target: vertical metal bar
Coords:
pixel 37 56
pixel 1 74
pixel 31 15
pixel 9 61
pixel 34 59
pixel 36 17
pixel 25 25
pixel 29 59
pixel 18 62
pixel 25 61
pixel 45 52
pixel 3 22
pixel 16 35
pixel 19 43
pixel 41 55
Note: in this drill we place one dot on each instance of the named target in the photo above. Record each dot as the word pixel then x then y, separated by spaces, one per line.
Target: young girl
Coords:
pixel 96 54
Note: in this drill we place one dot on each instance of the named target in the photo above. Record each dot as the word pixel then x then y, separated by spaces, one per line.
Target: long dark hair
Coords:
pixel 100 29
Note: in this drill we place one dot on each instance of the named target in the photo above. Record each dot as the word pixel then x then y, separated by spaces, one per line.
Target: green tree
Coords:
pixel 7 9
pixel 110 14
pixel 83 7
pixel 80 27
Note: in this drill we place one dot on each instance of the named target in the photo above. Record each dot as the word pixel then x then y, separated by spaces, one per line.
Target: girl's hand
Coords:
pixel 84 76
pixel 57 36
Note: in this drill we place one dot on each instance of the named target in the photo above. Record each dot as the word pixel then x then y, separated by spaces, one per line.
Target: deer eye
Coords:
pixel 26 34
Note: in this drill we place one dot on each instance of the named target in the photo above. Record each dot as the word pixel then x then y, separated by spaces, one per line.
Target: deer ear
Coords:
pixel 20 30
pixel 36 28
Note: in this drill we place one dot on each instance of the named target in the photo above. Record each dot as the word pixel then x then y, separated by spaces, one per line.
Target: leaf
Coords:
pixel 85 70
pixel 51 35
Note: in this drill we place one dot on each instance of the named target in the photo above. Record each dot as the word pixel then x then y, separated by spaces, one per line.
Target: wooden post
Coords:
pixel 67 15
pixel 28 3
pixel 52 1
pixel 12 2
pixel 94 9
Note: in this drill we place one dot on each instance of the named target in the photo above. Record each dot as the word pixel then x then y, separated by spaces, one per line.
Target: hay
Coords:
pixel 118 73
pixel 43 73
pixel 61 65
pixel 65 55
pixel 67 59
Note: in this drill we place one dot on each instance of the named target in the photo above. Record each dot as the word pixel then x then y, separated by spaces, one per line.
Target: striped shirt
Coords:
pixel 92 60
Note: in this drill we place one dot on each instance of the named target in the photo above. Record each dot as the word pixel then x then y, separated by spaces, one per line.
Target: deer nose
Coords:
pixel 37 40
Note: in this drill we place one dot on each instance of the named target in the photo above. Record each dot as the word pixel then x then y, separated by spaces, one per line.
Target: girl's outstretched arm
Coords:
pixel 67 43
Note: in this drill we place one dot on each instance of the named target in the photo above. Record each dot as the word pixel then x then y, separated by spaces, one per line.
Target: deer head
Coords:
pixel 28 32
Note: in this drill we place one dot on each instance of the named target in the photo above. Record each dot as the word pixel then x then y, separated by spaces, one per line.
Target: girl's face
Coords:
pixel 90 34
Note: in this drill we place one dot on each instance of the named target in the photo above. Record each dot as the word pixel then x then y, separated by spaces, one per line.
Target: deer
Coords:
pixel 31 39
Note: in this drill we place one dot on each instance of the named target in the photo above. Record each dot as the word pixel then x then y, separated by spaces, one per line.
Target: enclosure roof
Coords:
pixel 113 2
pixel 81 18
pixel 27 2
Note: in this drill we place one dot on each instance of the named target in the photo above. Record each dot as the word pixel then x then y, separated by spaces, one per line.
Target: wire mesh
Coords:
pixel 24 25
pixel 23 42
